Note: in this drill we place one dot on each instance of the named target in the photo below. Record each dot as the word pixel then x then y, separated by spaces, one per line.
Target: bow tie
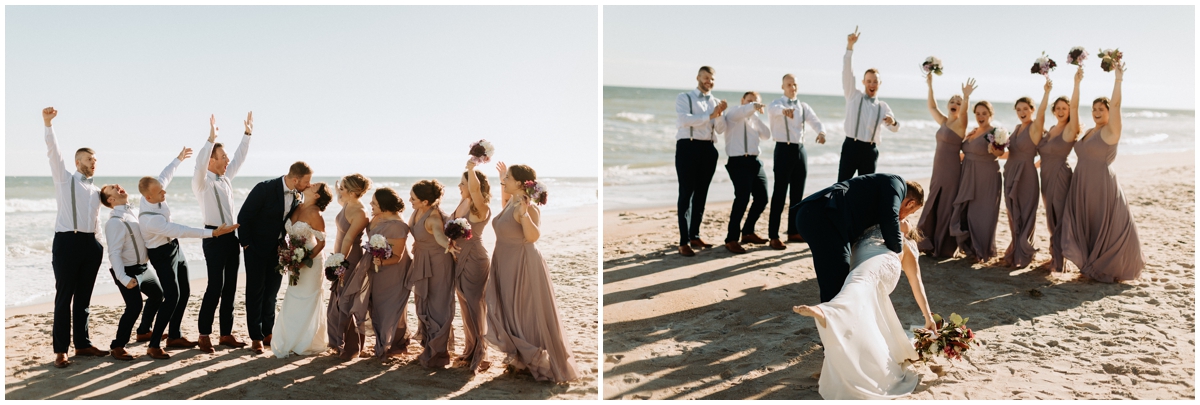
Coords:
pixel 86 180
pixel 872 99
pixel 220 177
pixel 792 102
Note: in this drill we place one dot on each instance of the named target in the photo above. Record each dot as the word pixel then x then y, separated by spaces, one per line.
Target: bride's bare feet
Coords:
pixel 814 312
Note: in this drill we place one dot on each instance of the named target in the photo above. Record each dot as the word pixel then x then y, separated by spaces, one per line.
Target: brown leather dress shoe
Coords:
pixel 120 354
pixel 182 343
pixel 686 251
pixel 142 337
pixel 91 351
pixel 256 346
pixel 229 340
pixel 795 238
pixel 267 340
pixel 60 360
pixel 697 243
pixel 157 353
pixel 205 344
pixel 735 248
pixel 752 238
pixel 777 244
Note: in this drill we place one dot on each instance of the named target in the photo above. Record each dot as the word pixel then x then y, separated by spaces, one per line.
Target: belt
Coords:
pixel 699 140
pixel 856 140
pixel 76 233
pixel 210 227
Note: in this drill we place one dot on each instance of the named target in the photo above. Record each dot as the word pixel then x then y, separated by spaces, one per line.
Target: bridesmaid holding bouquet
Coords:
pixel 349 295
pixel 389 292
pixel 1056 145
pixel 471 268
pixel 1021 179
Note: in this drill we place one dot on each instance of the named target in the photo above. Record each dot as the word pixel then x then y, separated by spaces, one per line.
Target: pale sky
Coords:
pixel 752 47
pixel 381 90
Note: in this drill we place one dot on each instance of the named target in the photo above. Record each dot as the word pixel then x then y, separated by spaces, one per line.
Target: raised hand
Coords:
pixel 249 122
pixel 470 164
pixel 852 38
pixel 185 153
pixel 1119 71
pixel 929 79
pixel 968 87
pixel 48 114
pixel 522 207
pixel 1049 85
pixel 502 169
pixel 212 128
pixel 1079 75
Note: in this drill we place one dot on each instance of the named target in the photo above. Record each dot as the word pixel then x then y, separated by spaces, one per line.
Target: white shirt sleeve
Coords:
pixel 812 119
pixel 158 225
pixel 740 112
pixel 200 177
pixel 239 157
pixel 764 130
pixel 848 88
pixel 887 112
pixel 116 234
pixel 688 119
pixel 58 166
pixel 719 126
pixel 168 173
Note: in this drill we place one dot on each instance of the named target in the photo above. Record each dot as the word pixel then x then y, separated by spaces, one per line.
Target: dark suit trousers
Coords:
pixel 749 179
pixel 171 268
pixel 830 252
pixel 76 258
pixel 221 254
pixel 791 169
pixel 856 156
pixel 133 306
pixel 695 164
pixel 262 289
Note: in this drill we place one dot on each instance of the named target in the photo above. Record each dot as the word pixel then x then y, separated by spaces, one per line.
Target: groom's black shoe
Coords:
pixel 229 340
pixel 157 353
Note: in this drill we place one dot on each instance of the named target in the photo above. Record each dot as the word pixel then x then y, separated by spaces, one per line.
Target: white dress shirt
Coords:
pixel 743 131
pixel 78 199
pixel 215 193
pixel 122 249
pixel 288 196
pixel 864 115
pixel 791 130
pixel 693 109
pixel 155 218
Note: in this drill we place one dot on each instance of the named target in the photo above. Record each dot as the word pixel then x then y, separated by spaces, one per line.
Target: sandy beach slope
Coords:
pixel 720 326
pixel 568 243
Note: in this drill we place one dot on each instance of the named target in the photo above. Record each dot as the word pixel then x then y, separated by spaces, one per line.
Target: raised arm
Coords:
pixel 239 157
pixel 473 187
pixel 959 126
pixel 168 173
pixel 158 225
pixel 912 271
pixel 1071 132
pixel 504 195
pixel 931 103
pixel 200 177
pixel 1039 121
pixel 1113 128
pixel 358 221
pixel 847 70
pixel 58 166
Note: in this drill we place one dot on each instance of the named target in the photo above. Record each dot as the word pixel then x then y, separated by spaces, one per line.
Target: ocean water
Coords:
pixel 639 142
pixel 29 213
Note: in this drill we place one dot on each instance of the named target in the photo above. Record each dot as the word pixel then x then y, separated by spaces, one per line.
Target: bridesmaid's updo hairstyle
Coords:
pixel 356 184
pixel 429 191
pixel 986 105
pixel 522 173
pixel 1101 100
pixel 388 200
pixel 1025 100
pixel 484 187
pixel 324 196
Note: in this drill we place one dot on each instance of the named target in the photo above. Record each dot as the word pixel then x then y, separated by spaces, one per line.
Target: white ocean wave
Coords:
pixel 1145 114
pixel 1142 140
pixel 30 205
pixel 624 175
pixel 635 117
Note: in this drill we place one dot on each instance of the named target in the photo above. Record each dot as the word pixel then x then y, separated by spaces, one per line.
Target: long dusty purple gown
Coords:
pixel 1056 179
pixel 431 278
pixel 1021 197
pixel 471 271
pixel 943 187
pixel 977 206
pixel 1098 232
pixel 389 293
pixel 522 317
pixel 348 299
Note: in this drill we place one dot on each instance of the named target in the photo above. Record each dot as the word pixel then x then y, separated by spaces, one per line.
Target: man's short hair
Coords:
pixel 872 70
pixel 915 192
pixel 84 150
pixel 216 146
pixel 145 183
pixel 708 69
pixel 104 196
pixel 785 77
pixel 299 169
pixel 754 93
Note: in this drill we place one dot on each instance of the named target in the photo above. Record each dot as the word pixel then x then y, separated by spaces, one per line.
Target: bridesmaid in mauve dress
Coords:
pixel 431 275
pixel 977 205
pixel 389 292
pixel 1056 145
pixel 1021 191
pixel 522 317
pixel 471 268
pixel 1099 234
pixel 348 296
pixel 943 183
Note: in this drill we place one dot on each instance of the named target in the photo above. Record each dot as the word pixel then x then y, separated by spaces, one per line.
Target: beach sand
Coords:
pixel 568 243
pixel 720 326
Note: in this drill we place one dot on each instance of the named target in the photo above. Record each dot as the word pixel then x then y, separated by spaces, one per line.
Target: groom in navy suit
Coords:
pixel 833 218
pixel 262 217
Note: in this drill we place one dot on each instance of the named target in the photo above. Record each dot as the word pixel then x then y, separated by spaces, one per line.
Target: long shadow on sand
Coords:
pixel 655 266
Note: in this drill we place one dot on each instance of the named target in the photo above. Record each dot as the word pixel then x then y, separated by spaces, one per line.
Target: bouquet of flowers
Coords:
pixel 1109 58
pixel 536 191
pixel 950 339
pixel 998 137
pixel 335 267
pixel 378 247
pixel 294 254
pixel 481 152
pixel 458 228
pixel 932 64
pixel 1043 65
pixel 1076 56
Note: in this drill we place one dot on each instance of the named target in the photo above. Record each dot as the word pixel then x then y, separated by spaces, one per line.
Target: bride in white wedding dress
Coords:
pixel 300 325
pixel 865 345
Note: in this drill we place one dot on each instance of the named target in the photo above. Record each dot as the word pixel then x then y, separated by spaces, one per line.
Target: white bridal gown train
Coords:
pixel 300 325
pixel 865 344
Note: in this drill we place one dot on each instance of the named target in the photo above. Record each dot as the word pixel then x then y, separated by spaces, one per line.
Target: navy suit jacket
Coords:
pixel 862 202
pixel 261 216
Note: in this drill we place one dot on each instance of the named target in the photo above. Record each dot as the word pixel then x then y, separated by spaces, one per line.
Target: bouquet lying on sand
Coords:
pixel 948 339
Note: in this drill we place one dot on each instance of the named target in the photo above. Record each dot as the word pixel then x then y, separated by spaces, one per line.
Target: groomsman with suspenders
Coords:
pixel 213 185
pixel 76 251
pixel 788 117
pixel 127 255
pixel 864 115
pixel 170 265
pixel 743 131
pixel 698 123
